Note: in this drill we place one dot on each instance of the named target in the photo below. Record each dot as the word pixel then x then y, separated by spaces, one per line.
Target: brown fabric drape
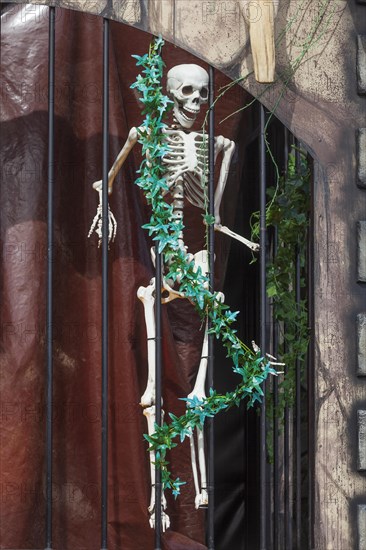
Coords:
pixel 77 292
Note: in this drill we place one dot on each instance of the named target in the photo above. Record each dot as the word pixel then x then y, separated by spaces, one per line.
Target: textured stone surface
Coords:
pixel 361 526
pixel 361 344
pixel 361 451
pixel 361 249
pixel 128 11
pixel 361 157
pixel 361 63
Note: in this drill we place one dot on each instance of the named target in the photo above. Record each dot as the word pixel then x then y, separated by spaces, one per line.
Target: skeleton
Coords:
pixel 186 164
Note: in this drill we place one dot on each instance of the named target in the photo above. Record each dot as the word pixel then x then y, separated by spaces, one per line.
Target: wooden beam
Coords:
pixel 260 16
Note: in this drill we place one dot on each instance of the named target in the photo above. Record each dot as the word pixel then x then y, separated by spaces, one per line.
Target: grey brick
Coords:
pixel 361 526
pixel 361 64
pixel 361 249
pixel 361 451
pixel 361 157
pixel 361 344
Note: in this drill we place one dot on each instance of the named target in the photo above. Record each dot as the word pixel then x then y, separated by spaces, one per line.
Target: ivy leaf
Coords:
pixel 209 219
pixel 271 291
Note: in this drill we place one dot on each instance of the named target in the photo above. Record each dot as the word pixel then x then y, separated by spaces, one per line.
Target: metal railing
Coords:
pixel 49 299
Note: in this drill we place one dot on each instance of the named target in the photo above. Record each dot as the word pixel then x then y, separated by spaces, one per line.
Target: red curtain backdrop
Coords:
pixel 77 291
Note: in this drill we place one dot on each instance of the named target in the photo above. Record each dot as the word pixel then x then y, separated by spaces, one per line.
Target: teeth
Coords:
pixel 194 111
pixel 187 117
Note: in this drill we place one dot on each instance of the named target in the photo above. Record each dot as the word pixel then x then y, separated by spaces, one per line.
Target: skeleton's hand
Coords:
pixel 272 360
pixel 98 219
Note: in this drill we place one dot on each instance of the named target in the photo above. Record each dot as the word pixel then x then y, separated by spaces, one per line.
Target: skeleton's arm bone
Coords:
pixel 227 147
pixel 123 154
pixel 118 163
pixel 227 231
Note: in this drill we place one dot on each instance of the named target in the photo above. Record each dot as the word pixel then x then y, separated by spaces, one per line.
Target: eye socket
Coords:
pixel 187 90
pixel 204 93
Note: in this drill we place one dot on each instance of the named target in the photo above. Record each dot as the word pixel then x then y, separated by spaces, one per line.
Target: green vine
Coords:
pixel 251 366
pixel 287 210
pixel 288 213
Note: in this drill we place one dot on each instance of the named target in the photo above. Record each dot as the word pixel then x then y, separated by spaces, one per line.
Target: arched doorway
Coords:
pixel 77 337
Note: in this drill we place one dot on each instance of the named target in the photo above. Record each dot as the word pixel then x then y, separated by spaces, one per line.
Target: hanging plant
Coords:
pixel 252 367
pixel 288 212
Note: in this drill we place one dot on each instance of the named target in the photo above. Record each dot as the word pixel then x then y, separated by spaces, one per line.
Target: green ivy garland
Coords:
pixel 251 366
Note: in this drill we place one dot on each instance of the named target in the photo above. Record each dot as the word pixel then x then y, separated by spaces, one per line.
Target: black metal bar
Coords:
pixel 298 387
pixel 285 149
pixel 310 377
pixel 210 366
pixel 104 442
pixel 287 494
pixel 286 451
pixel 298 418
pixel 263 326
pixel 158 389
pixel 276 477
pixel 49 299
pixel 283 535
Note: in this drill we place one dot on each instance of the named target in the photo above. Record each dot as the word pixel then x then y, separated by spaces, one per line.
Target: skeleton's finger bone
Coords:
pixel 256 349
pixel 94 224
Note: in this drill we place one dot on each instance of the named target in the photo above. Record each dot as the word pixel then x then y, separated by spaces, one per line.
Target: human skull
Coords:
pixel 188 86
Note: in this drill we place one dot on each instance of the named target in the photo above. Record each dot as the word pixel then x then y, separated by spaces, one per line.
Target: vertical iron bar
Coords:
pixel 49 299
pixel 263 323
pixel 286 453
pixel 310 377
pixel 158 389
pixel 285 149
pixel 286 488
pixel 210 367
pixel 104 442
pixel 276 485
pixel 298 418
pixel 287 494
pixel 298 389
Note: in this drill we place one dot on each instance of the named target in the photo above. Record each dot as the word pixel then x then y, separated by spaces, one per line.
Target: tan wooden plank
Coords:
pixel 261 29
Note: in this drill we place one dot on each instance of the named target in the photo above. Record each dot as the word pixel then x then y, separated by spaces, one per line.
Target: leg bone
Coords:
pixel 201 499
pixel 149 412
pixel 146 295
